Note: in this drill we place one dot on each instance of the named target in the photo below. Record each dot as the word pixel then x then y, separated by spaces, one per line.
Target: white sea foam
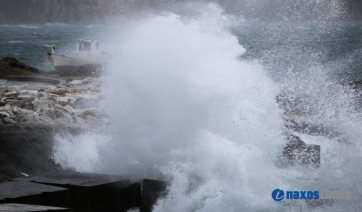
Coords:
pixel 29 26
pixel 184 108
pixel 16 41
pixel 81 152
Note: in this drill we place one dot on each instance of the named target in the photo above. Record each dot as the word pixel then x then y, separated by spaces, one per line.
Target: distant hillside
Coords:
pixel 355 8
pixel 49 11
pixel 97 11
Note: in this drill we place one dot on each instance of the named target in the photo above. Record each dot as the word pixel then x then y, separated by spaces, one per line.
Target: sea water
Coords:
pixel 192 100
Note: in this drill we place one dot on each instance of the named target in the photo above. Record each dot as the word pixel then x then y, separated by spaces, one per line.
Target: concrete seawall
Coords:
pixel 78 192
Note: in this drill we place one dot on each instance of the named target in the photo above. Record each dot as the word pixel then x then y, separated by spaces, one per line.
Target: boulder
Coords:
pixel 59 92
pixel 64 122
pixel 69 108
pixel 4 114
pixel 26 148
pixel 45 120
pixel 28 114
pixel 26 103
pixel 86 112
pixel 7 107
pixel 58 107
pixel 12 66
pixel 10 101
pixel 87 100
pixel 62 114
pixel 11 94
pixel 1 91
pixel 50 89
pixel 91 120
pixel 72 104
pixel 15 109
pixel 65 100
pixel 79 120
pixel 296 152
pixel 7 120
pixel 42 106
pixel 43 94
pixel 51 114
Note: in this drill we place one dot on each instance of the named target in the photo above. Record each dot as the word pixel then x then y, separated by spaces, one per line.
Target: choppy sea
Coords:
pixel 279 46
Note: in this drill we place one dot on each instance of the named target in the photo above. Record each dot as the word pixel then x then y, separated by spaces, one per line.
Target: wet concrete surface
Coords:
pixel 78 192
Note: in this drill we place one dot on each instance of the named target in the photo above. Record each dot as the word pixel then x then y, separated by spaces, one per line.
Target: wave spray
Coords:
pixel 186 109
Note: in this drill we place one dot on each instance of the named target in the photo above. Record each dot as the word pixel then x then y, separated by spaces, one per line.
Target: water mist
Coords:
pixel 186 109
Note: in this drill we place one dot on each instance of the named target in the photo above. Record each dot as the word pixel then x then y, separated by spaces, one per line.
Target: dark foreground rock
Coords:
pixel 152 190
pixel 13 207
pixel 12 66
pixel 30 116
pixel 25 149
pixel 33 193
pixel 297 152
pixel 83 192
pixel 93 192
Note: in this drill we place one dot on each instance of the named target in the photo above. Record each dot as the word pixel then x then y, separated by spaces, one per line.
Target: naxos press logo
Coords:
pixel 279 195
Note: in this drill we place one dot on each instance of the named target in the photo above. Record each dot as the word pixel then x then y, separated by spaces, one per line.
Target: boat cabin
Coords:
pixel 88 46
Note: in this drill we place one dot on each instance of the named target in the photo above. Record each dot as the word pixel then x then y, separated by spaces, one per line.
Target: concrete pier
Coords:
pixel 151 191
pixel 33 193
pixel 13 207
pixel 80 192
pixel 93 192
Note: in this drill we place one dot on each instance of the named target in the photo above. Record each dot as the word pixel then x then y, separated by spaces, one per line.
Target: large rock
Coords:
pixel 33 193
pixel 25 148
pixel 93 192
pixel 296 152
pixel 79 120
pixel 15 207
pixel 152 190
pixel 51 114
pixel 12 66
pixel 42 106
pixel 7 120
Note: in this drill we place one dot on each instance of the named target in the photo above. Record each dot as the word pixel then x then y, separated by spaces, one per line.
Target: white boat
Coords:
pixel 87 60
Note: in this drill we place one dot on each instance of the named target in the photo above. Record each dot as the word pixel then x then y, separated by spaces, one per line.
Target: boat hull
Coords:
pixel 80 70
pixel 70 66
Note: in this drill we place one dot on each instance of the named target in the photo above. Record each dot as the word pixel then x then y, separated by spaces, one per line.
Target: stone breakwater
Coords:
pixel 71 104
pixel 31 113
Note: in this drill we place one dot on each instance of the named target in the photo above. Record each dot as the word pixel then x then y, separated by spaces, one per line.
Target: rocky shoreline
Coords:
pixel 69 103
pixel 12 66
pixel 26 149
pixel 33 111
pixel 65 105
